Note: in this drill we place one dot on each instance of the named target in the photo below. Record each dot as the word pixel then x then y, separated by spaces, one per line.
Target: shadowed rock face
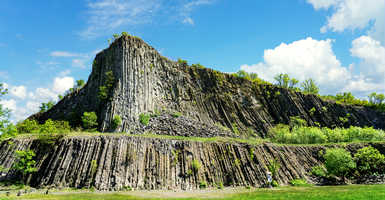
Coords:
pixel 144 81
pixel 114 162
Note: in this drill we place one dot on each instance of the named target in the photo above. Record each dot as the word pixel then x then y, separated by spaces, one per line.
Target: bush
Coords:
pixel 318 171
pixel 90 120
pixel 25 163
pixel 144 119
pixel 28 126
pixel 274 183
pixel 202 185
pixel 117 121
pixel 369 161
pixel 176 114
pixel 299 182
pixel 316 135
pixel 195 165
pixel 273 166
pixel 338 162
pixel 48 127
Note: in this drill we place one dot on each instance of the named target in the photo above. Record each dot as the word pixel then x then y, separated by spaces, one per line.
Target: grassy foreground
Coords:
pixel 356 192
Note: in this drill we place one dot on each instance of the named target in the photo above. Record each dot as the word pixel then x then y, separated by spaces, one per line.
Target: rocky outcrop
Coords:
pixel 117 162
pixel 136 79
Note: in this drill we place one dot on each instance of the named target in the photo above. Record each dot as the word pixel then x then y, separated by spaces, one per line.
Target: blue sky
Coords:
pixel 46 45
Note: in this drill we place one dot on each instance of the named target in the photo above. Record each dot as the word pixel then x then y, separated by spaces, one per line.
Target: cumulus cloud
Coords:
pixel 27 103
pixel 64 54
pixel 9 104
pixel 79 63
pixel 354 14
pixel 303 59
pixel 310 58
pixel 62 84
pixel 371 66
pixel 18 91
pixel 105 16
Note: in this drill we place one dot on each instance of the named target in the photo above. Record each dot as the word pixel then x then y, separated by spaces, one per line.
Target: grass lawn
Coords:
pixel 356 192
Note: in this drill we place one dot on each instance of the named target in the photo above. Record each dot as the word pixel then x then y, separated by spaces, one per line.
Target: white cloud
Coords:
pixel 372 66
pixel 64 54
pixel 188 20
pixel 62 84
pixel 354 14
pixel 18 91
pixel 79 63
pixel 315 59
pixel 9 104
pixel 303 59
pixel 318 4
pixel 106 16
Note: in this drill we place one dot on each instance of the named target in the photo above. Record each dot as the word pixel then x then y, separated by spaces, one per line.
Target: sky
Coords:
pixel 45 46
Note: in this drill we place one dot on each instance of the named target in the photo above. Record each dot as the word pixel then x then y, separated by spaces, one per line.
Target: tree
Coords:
pixel 283 80
pixel 25 164
pixel 4 112
pixel 90 120
pixel 80 83
pixel 46 106
pixel 376 99
pixel 369 160
pixel 346 97
pixel 338 162
pixel 309 86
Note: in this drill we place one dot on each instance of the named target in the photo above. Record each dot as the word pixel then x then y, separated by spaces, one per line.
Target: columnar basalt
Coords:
pixel 117 162
pixel 143 81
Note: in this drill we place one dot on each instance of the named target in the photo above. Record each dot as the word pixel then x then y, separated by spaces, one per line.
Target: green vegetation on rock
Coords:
pixel 90 120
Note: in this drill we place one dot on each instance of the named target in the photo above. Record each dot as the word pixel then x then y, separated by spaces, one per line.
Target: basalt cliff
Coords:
pixel 131 78
pixel 136 79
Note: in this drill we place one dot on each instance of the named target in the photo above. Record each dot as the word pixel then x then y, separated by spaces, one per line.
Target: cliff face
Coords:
pixel 115 162
pixel 143 81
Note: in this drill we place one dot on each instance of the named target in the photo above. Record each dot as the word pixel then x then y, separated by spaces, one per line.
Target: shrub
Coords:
pixel 316 135
pixel 297 122
pixel 299 182
pixel 144 119
pixel 274 183
pixel 220 185
pixel 176 114
pixel 273 166
pixel 117 121
pixel 46 106
pixel 234 128
pixel 94 167
pixel 182 62
pixel 195 165
pixel 90 120
pixel 62 126
pixel 108 84
pixel 48 127
pixel 318 171
pixel 28 126
pixel 202 185
pixel 338 162
pixel 25 163
pixel 369 161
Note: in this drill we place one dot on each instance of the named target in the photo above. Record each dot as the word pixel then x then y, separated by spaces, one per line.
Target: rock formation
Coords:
pixel 118 162
pixel 130 77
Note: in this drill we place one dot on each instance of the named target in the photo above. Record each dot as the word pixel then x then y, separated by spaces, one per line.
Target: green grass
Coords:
pixel 350 192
